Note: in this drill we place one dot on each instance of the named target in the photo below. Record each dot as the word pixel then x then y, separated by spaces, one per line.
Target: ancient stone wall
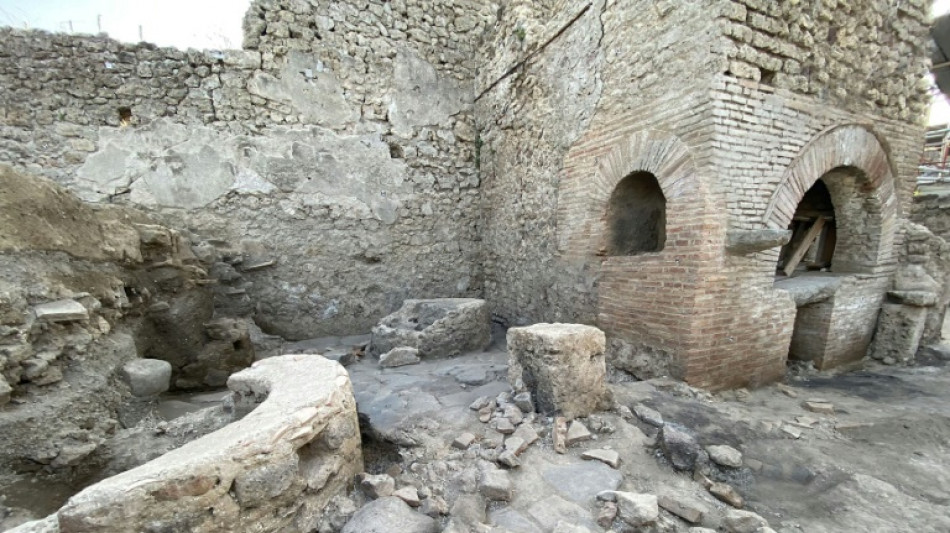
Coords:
pixel 933 211
pixel 868 55
pixel 334 158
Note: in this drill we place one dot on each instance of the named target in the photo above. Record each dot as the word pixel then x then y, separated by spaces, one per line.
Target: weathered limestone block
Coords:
pixel 899 329
pixel 440 327
pixel 295 452
pixel 146 377
pixel 562 364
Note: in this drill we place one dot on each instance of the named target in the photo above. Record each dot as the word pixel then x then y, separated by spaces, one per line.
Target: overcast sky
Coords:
pixel 179 23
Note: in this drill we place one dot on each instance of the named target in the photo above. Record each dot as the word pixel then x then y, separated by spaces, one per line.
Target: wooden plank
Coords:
pixel 803 246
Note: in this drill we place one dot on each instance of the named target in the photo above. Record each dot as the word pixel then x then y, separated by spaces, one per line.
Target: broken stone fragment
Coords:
pixel 484 414
pixel 526 433
pixel 61 311
pixel 495 485
pixel 400 356
pixel 434 506
pixel 819 406
pixel 408 494
pixel 791 431
pixel 727 494
pixel 390 514
pixel 679 447
pixel 685 507
pixel 53 375
pixel 608 457
pixel 509 459
pixel 515 444
pixel 33 369
pixel 504 426
pixel 648 415
pixel 577 432
pixel 523 401
pixel 463 441
pixel 146 377
pixel 637 509
pixel 788 391
pixel 512 413
pixel 559 435
pixel 71 455
pixel 724 455
pixel 377 486
pixel 480 403
pixel 607 514
pixel 736 521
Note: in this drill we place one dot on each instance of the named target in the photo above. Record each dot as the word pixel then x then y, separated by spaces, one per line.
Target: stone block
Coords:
pixel 61 311
pixel 146 377
pixel 562 364
pixel 401 356
pixel 441 327
pixel 899 329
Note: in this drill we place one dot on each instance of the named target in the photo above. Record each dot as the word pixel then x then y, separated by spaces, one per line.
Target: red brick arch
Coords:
pixel 583 199
pixel 843 147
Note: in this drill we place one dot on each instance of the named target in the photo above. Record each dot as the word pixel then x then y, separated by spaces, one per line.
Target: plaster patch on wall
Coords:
pixel 421 97
pixel 312 89
pixel 173 165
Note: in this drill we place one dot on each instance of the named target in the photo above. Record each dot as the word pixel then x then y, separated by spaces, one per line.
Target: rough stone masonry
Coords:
pixel 356 154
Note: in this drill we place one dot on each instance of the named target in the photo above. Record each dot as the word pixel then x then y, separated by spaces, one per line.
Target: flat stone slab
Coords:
pixel 61 311
pixel 581 482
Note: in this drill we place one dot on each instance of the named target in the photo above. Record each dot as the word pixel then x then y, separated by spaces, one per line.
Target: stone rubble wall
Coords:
pixel 280 468
pixel 868 55
pixel 338 149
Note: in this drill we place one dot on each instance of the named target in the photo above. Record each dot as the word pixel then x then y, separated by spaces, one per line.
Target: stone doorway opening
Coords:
pixel 636 216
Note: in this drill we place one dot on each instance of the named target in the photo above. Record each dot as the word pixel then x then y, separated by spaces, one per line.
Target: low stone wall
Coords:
pixel 277 469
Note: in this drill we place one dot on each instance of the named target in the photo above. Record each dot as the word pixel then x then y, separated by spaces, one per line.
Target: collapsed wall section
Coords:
pixel 335 156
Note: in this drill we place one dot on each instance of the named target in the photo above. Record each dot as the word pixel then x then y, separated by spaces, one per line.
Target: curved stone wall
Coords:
pixel 277 469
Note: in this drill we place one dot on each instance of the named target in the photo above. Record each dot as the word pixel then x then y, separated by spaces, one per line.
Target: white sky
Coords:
pixel 196 24
pixel 179 23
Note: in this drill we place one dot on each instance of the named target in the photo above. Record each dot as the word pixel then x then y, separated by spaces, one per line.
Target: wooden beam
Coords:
pixel 802 247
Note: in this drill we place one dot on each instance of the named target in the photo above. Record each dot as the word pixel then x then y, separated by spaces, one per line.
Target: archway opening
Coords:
pixel 836 238
pixel 636 216
pixel 814 234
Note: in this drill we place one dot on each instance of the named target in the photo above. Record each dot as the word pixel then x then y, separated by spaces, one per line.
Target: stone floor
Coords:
pixel 862 451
